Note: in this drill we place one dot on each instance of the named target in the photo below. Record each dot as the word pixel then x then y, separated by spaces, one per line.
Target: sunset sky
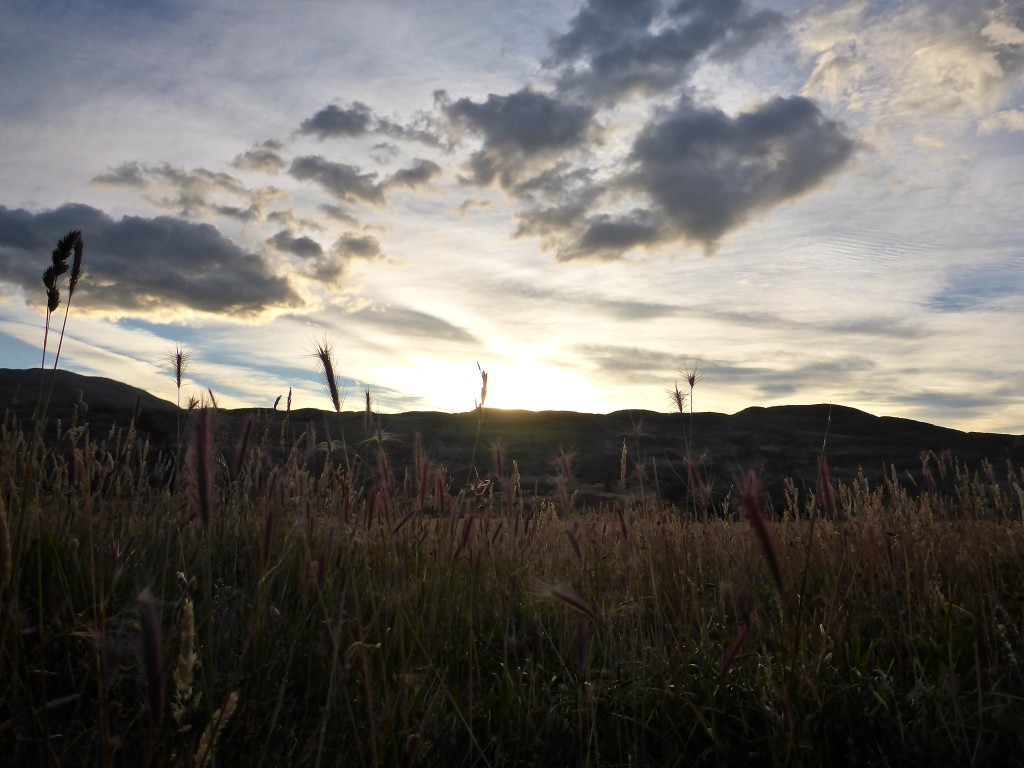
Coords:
pixel 812 202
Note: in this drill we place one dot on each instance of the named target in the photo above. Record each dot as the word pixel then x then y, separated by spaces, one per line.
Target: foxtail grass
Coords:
pixel 68 247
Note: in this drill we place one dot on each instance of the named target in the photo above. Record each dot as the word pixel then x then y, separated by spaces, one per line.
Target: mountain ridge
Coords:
pixel 778 442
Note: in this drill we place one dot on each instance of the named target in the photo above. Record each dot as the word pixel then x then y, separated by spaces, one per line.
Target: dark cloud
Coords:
pixel 360 246
pixel 617 48
pixel 573 234
pixel 707 172
pixel 553 226
pixel 265 157
pixel 304 247
pixel 603 24
pixel 332 121
pixel 358 119
pixel 610 237
pixel 517 128
pixel 527 121
pixel 333 267
pixel 416 175
pixel 136 265
pixel 345 182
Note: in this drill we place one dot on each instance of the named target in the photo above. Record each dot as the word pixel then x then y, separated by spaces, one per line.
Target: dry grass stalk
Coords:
pixel 180 360
pixel 152 654
pixel 6 561
pixel 483 388
pixel 826 492
pixel 734 648
pixel 66 246
pixel 186 698
pixel 566 594
pixel 73 278
pixel 219 721
pixel 753 506
pixel 573 533
pixel 204 465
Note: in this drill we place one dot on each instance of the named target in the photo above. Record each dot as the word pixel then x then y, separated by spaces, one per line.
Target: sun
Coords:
pixel 518 378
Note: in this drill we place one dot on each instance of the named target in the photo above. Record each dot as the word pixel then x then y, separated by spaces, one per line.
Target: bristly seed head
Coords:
pixel 180 360
pixel 692 377
pixel 325 355
pixel 76 265
pixel 677 398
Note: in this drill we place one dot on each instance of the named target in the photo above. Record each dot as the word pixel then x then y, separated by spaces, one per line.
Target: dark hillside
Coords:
pixel 777 442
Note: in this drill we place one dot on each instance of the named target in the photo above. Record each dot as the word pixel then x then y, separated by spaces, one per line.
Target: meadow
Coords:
pixel 289 597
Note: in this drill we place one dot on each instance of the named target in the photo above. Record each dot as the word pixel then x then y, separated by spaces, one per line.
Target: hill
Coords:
pixel 778 442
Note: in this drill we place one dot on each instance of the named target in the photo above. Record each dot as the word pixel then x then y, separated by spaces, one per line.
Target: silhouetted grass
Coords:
pixel 296 615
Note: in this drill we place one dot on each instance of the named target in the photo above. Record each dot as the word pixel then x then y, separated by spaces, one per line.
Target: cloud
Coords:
pixel 362 246
pixel 265 157
pixel 334 121
pixel 573 234
pixel 405 322
pixel 331 268
pixel 303 247
pixel 630 363
pixel 707 172
pixel 358 119
pixel 192 193
pixel 980 287
pixel 1011 120
pixel 125 175
pixel 788 379
pixel 416 175
pixel 619 48
pixel 337 213
pixel 343 181
pixel 902 63
pixel 143 266
pixel 290 219
pixel 517 129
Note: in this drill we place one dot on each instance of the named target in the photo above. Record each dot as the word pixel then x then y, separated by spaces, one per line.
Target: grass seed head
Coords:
pixel 325 355
pixel 180 361
pixel 677 398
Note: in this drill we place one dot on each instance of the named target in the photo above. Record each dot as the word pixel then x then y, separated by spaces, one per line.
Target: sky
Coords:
pixel 808 202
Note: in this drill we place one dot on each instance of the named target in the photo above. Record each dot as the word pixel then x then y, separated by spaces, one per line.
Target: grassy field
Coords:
pixel 288 597
pixel 250 609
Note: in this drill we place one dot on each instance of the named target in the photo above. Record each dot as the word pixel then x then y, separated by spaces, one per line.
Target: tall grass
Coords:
pixel 298 615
